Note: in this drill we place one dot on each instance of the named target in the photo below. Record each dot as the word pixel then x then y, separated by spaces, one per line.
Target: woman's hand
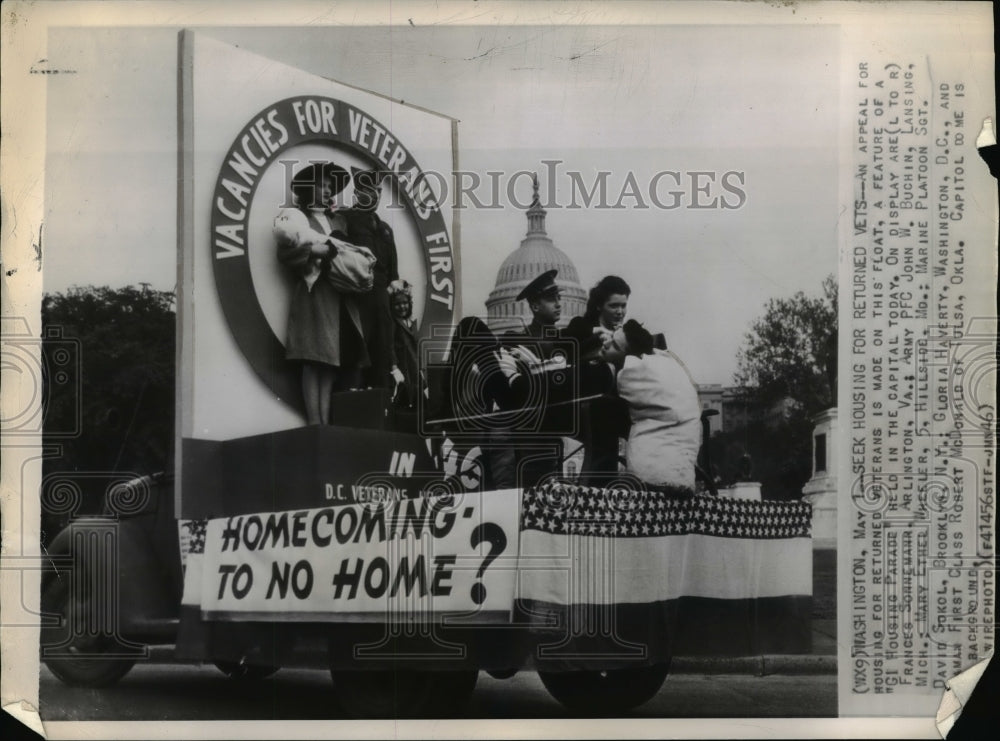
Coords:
pixel 604 333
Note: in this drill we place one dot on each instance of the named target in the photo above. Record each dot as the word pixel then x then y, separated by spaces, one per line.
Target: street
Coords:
pixel 191 692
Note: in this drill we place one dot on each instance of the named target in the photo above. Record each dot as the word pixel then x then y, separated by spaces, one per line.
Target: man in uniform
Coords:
pixel 542 295
pixel 597 423
pixel 366 228
pixel 538 456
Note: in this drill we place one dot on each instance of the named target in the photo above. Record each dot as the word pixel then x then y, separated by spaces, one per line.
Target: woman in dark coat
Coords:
pixel 404 344
pixel 605 420
pixel 324 326
pixel 484 378
pixel 607 305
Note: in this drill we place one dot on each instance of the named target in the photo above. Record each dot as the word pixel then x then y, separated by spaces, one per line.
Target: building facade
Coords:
pixel 734 410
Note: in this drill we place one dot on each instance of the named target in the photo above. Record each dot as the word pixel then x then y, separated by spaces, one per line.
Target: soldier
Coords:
pixel 366 228
pixel 598 423
pixel 538 457
pixel 542 295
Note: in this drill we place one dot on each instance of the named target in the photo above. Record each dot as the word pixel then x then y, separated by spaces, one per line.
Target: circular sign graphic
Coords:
pixel 291 123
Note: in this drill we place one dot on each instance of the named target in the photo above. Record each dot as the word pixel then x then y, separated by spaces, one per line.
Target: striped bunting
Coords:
pixel 567 509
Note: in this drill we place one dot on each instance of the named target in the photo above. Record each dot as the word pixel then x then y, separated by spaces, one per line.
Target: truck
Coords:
pixel 123 581
pixel 378 546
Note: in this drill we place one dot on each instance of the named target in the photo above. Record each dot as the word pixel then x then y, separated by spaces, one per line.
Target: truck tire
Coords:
pixel 403 694
pixel 240 672
pixel 605 693
pixel 85 669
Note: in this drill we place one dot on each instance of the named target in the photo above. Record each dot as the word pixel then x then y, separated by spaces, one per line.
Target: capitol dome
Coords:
pixel 536 254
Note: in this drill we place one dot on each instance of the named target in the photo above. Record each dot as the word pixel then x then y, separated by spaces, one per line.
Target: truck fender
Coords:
pixel 116 553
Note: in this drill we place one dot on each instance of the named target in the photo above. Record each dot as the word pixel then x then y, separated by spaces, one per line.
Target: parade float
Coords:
pixel 374 545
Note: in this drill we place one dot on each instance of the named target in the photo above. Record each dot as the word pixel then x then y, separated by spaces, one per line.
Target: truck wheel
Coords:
pixel 605 693
pixel 77 665
pixel 240 672
pixel 403 694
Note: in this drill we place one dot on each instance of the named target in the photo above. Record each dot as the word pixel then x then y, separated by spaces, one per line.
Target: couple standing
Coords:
pixel 340 323
pixel 650 397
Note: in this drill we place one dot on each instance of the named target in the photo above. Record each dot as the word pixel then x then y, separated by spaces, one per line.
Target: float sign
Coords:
pixel 374 560
pixel 248 125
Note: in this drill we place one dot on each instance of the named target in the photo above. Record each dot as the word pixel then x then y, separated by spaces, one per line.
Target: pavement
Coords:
pixel 170 692
pixel 822 659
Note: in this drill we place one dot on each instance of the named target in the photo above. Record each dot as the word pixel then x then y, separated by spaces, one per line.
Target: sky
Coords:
pixel 761 101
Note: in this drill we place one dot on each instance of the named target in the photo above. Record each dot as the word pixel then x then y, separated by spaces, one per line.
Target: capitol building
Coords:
pixel 534 256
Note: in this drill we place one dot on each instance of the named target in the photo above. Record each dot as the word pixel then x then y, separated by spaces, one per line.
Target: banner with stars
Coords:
pixel 672 575
pixel 596 571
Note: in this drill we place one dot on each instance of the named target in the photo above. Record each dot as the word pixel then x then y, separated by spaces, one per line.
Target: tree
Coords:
pixel 787 368
pixel 123 341
pixel 791 351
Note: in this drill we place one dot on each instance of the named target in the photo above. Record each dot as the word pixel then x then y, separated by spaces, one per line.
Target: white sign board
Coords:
pixel 249 124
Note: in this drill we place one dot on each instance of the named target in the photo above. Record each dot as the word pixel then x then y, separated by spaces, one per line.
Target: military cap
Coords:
pixel 543 284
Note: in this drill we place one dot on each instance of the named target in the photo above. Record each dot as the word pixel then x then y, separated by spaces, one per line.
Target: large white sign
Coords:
pixel 383 558
pixel 249 124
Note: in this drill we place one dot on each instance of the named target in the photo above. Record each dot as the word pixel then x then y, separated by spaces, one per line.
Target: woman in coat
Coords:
pixel 607 305
pixel 662 400
pixel 602 421
pixel 324 325
pixel 484 379
pixel 404 345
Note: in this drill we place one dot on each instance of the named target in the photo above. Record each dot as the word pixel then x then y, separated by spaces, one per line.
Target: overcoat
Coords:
pixel 405 351
pixel 324 325
pixel 365 228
